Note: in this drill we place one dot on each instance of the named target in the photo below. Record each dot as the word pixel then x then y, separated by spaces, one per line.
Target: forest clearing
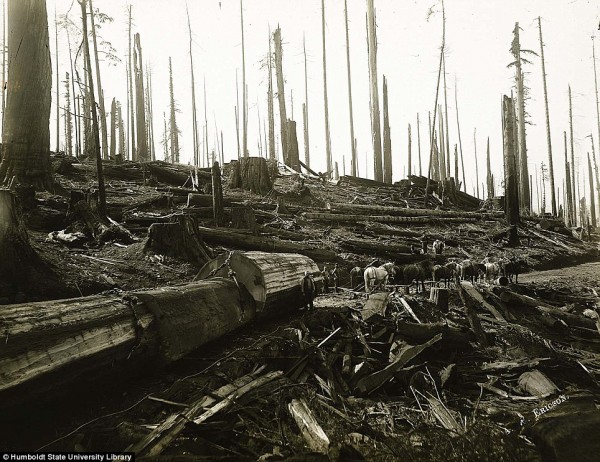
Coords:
pixel 247 306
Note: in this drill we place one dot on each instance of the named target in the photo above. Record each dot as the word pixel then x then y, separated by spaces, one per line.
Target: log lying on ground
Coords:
pixel 50 343
pixel 311 431
pixel 228 237
pixel 358 209
pixel 176 175
pixel 338 218
pixel 273 279
pixel 370 247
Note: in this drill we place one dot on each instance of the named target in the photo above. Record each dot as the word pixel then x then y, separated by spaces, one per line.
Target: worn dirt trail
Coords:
pixel 586 275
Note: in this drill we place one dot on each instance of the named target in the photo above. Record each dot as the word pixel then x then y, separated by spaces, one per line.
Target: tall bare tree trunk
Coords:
pixel 174 130
pixel 548 138
pixel 524 172
pixel 68 115
pixel 381 169
pixel 511 186
pixel 122 145
pixel 237 112
pixel 574 195
pixel 442 146
pixel 99 82
pixel 456 165
pixel 281 94
pixel 325 99
pixel 244 89
pixel 26 134
pixel 597 113
pixel 113 126
pixel 437 91
pixel 387 140
pixel 131 130
pixel 151 144
pixel 569 213
pixel 597 174
pixel 462 160
pixel 142 145
pixel 271 109
pixel 165 141
pixel 194 112
pixel 446 120
pixel 354 160
pixel 592 193
pixel 95 131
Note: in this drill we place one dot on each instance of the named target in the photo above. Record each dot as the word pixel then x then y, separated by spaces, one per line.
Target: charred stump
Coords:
pixel 180 240
pixel 253 175
pixel 217 193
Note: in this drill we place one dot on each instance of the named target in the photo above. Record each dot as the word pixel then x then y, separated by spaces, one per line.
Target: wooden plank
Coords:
pixel 312 432
pixel 409 309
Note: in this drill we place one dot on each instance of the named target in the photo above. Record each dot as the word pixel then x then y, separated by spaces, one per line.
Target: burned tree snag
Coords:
pixel 245 89
pixel 95 131
pixel 380 175
pixel 281 94
pixel 353 168
pixel 476 163
pixel 271 111
pixel 142 138
pixel 409 152
pixel 130 87
pixel 100 92
pixel 592 194
pixel 569 214
pixel 325 99
pixel 419 144
pixel 575 214
pixel 489 177
pixel 26 131
pixel 548 138
pixel 173 129
pixel 292 144
pixel 387 139
pixel 113 129
pixel 511 187
pixel 217 192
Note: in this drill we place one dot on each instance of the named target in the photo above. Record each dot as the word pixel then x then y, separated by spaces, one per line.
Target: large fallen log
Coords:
pixel 49 343
pixel 176 174
pixel 358 209
pixel 273 279
pixel 228 237
pixel 374 247
pixel 338 218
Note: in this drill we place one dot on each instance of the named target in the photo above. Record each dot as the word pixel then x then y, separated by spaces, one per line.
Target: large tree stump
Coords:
pixel 180 240
pixel 293 155
pixel 254 176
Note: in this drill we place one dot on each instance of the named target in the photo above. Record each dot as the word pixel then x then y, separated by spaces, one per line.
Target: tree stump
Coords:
pixel 217 193
pixel 242 217
pixel 180 240
pixel 440 297
pixel 254 176
pixel 293 156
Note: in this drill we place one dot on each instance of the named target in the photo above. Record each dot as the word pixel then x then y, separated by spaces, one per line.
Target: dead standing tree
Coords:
pixel 142 137
pixel 99 82
pixel 26 133
pixel 281 93
pixel 383 172
pixel 387 138
pixel 325 99
pixel 511 186
pixel 173 130
pixel 271 110
pixel 569 213
pixel 522 159
pixel 354 159
pixel 95 131
pixel 592 194
pixel 548 138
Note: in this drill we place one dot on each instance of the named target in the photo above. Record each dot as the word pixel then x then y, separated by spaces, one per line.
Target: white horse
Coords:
pixel 375 277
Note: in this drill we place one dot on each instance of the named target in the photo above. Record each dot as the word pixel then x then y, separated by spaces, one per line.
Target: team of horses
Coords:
pixel 376 277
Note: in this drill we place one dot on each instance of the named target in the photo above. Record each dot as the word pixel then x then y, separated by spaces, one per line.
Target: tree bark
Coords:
pixel 99 83
pixel 271 111
pixel 511 187
pixel 354 154
pixel 113 131
pixel 281 95
pixel 592 194
pixel 489 177
pixel 131 105
pixel 569 217
pixel 244 89
pixel 217 192
pixel 142 137
pixel 174 130
pixel 26 133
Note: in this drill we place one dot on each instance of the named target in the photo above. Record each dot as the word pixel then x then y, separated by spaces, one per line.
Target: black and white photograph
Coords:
pixel 299 230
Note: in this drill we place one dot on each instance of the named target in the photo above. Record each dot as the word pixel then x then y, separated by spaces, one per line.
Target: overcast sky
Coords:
pixel 478 35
